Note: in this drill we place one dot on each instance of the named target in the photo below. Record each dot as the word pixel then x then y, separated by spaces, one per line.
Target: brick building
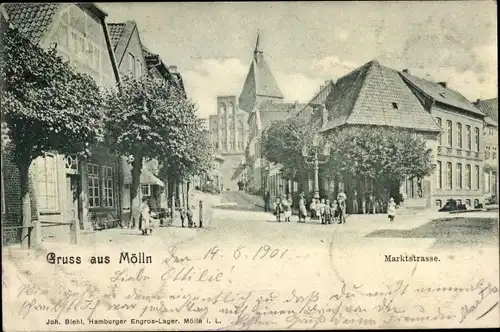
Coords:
pixel 262 98
pixel 229 135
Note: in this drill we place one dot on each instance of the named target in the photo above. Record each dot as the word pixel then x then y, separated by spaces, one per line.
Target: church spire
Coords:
pixel 257 44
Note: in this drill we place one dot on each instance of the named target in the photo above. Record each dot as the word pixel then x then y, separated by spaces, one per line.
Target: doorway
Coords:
pixel 71 212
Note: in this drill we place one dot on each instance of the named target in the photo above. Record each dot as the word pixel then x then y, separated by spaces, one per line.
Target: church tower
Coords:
pixel 260 84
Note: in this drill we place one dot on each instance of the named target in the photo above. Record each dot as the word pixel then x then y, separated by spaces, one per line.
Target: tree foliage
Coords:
pixel 282 143
pixel 384 154
pixel 46 104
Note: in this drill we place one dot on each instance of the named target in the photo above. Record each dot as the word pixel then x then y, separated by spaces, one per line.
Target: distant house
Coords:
pixel 81 36
pixel 490 134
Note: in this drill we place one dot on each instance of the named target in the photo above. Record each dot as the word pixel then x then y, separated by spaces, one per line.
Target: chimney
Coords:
pixel 477 101
pixel 406 71
pixel 172 69
pixel 296 106
pixel 443 84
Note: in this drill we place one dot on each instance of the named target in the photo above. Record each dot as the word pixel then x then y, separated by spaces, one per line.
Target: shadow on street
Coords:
pixel 449 232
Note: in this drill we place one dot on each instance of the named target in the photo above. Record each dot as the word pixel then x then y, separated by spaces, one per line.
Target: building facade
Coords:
pixel 229 135
pixel 460 147
pixel 490 133
pixel 60 183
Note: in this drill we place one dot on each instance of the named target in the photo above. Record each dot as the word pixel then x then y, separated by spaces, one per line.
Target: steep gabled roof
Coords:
pixel 115 32
pixel 32 19
pixel 440 94
pixel 376 95
pixel 489 107
pixel 259 81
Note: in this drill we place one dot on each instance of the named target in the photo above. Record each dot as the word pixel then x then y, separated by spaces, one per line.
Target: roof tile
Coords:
pixel 489 107
pixel 115 32
pixel 376 95
pixel 32 19
pixel 441 94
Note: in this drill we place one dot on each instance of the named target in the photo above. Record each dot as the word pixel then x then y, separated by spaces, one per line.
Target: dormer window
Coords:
pixel 442 95
pixel 395 106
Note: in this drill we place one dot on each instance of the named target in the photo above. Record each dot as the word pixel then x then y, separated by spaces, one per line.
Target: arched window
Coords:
pixel 230 110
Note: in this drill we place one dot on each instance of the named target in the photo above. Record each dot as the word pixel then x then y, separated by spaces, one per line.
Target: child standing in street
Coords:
pixel 312 207
pixel 277 209
pixel 391 209
pixel 189 215
pixel 328 212
pixel 322 211
pixel 183 216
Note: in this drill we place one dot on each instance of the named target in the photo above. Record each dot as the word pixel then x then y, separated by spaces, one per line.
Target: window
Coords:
pixel 232 145
pixel 459 135
pixel 146 190
pixel 477 177
pixel 476 203
pixel 47 183
pixel 439 174
pixel 449 175
pixel 459 176
pixel 468 137
pixel 468 176
pixel 107 186
pixel 440 139
pixel 395 106
pixel 487 153
pixel 131 63
pixel 94 196
pixel 450 132
pixel 459 202
pixel 467 202
pixel 490 131
pixel 138 67
pixel 476 134
pixel 439 203
pixel 494 154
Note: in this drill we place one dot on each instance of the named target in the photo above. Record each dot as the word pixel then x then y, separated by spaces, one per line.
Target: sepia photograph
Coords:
pixel 215 166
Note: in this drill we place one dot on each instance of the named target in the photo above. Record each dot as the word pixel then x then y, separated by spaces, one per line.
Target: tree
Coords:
pixel 47 106
pixel 282 144
pixel 385 155
pixel 149 118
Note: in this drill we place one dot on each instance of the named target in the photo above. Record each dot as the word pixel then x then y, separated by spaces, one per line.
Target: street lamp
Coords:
pixel 315 159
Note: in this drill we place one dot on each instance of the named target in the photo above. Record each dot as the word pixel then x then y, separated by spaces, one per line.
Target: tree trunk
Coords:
pixel 26 204
pixel 172 185
pixel 135 187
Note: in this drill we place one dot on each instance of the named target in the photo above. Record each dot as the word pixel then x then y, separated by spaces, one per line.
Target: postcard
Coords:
pixel 249 166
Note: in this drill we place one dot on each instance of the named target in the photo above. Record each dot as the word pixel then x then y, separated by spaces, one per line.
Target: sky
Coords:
pixel 307 43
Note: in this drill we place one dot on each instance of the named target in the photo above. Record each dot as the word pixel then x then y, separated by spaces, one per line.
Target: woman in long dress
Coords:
pixel 302 209
pixel 145 218
pixel 287 206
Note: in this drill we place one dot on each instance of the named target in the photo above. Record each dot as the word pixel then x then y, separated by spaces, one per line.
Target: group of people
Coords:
pixel 283 207
pixel 323 209
pixel 146 220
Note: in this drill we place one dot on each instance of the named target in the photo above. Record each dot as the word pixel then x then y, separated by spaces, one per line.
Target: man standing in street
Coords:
pixel 267 201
